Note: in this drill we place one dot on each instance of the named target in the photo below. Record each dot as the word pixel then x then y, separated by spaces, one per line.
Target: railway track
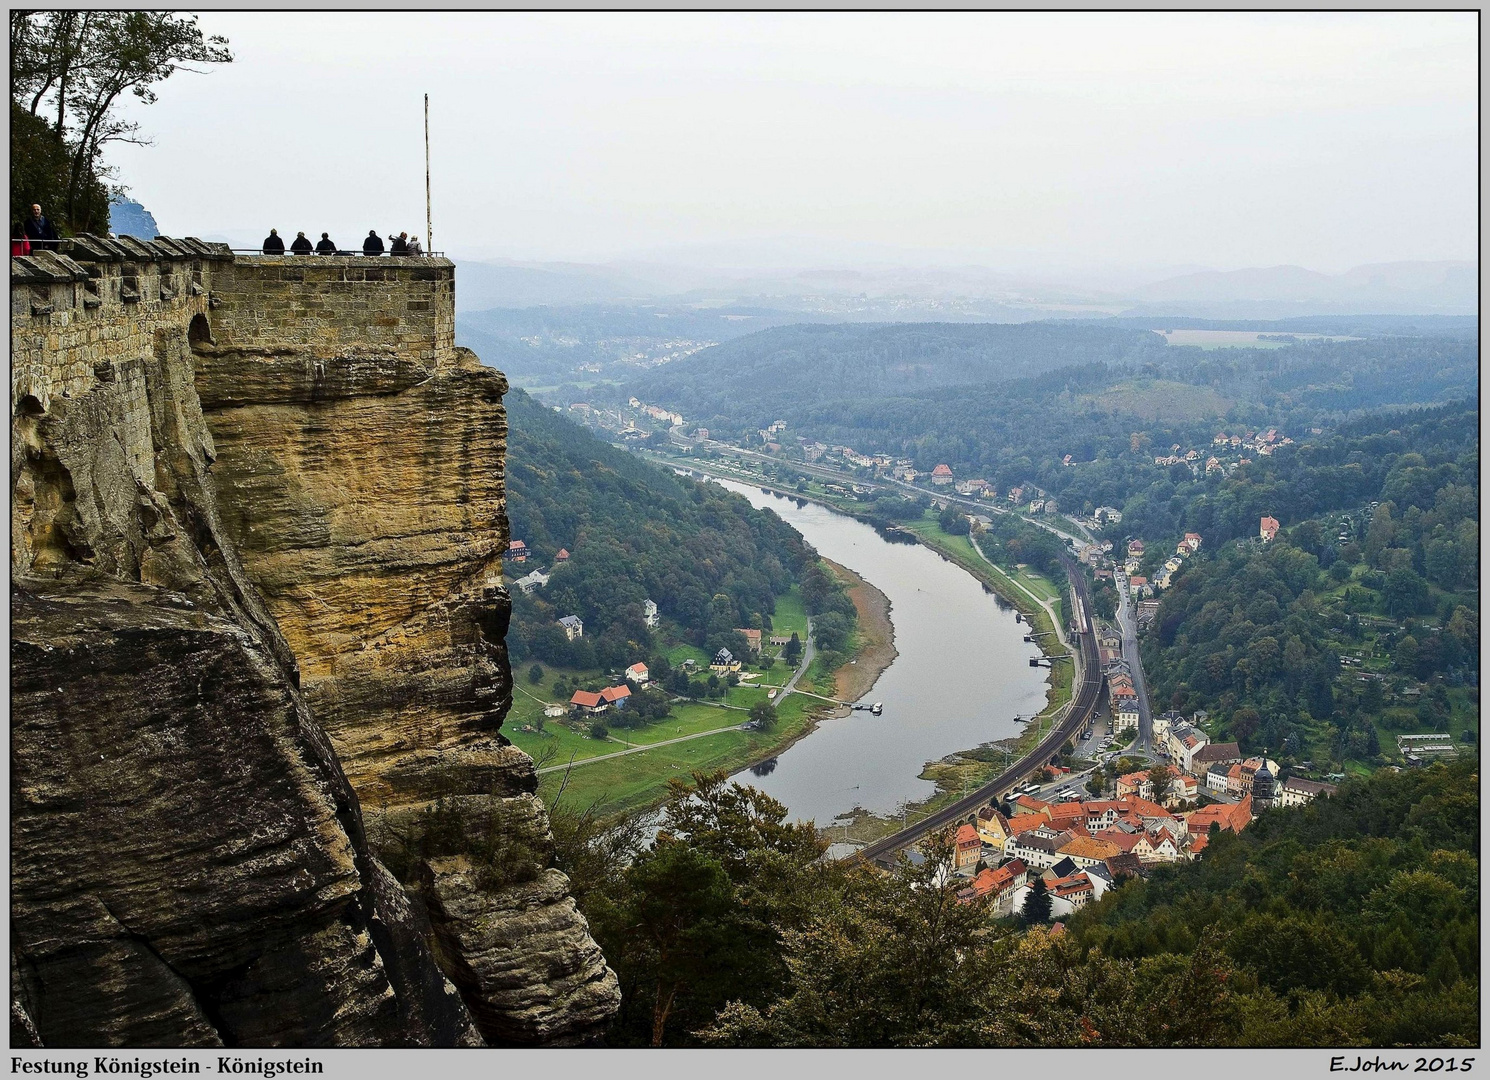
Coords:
pixel 1077 716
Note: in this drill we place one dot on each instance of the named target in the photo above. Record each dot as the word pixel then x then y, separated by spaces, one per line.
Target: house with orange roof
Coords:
pixel 969 848
pixel 562 556
pixel 1089 850
pixel 637 673
pixel 587 702
pixel 517 551
pixel 1230 817
pixel 942 474
pixel 1134 843
pixel 1135 783
pixel 752 638
pixel 1069 894
pixel 1038 847
pixel 1000 885
pixel 616 695
pixel 1268 529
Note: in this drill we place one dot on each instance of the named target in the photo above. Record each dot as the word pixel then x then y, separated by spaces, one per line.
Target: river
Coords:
pixel 961 675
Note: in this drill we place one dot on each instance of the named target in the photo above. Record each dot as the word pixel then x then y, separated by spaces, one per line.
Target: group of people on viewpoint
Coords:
pixel 402 244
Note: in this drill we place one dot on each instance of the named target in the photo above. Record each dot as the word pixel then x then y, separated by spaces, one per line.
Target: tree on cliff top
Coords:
pixel 68 69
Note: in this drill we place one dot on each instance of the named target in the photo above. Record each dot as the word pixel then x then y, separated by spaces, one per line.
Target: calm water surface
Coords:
pixel 962 674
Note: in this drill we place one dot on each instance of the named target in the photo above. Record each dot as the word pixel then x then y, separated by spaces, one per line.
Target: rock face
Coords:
pixel 255 560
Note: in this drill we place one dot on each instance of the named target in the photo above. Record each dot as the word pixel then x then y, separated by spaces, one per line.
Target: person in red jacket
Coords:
pixel 19 245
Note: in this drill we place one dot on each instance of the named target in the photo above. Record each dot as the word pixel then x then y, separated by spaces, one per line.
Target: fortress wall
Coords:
pixel 335 304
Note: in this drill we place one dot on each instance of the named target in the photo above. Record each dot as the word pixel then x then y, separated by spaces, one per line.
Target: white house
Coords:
pixel 638 675
pixel 649 613
pixel 573 627
pixel 535 580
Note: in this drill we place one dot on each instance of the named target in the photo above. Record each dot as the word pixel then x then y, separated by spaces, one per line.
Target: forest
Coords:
pixel 1350 922
pixel 708 559
pixel 1255 634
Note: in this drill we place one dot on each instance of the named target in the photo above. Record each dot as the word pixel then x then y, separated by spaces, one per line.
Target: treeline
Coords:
pixel 1353 921
pixel 709 560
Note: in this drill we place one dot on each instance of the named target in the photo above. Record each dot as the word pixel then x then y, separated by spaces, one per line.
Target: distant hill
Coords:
pixel 789 369
pixel 1402 287
pixel 128 218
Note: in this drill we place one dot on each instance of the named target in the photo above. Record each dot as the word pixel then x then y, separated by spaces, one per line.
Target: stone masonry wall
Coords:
pixel 331 304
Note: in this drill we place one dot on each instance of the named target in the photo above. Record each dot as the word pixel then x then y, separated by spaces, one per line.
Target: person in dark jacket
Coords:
pixel 398 245
pixel 39 229
pixel 373 245
pixel 273 245
pixel 301 246
pixel 324 246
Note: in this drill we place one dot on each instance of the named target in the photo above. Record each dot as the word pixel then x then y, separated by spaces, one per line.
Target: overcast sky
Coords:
pixel 1021 141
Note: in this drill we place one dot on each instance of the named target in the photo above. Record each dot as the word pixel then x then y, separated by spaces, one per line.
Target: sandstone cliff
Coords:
pixel 256 526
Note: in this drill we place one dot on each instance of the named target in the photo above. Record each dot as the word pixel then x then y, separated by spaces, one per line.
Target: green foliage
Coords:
pixel 709 560
pixel 763 713
pixel 1036 910
pixel 535 674
pixel 69 69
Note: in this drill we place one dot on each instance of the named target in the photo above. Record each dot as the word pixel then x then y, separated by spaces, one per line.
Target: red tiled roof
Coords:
pixel 586 699
pixel 616 693
pixel 1023 823
pixel 563 554
pixel 966 834
pixel 941 470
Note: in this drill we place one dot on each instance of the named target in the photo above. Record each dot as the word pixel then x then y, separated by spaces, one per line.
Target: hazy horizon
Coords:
pixel 1029 143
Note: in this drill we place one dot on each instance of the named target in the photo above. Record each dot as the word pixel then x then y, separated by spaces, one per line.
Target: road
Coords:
pixel 1128 622
pixel 1079 713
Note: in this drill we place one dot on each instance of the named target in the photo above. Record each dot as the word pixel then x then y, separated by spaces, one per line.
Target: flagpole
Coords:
pixel 429 236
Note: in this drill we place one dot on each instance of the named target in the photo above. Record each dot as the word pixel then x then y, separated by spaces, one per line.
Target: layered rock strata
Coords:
pixel 228 627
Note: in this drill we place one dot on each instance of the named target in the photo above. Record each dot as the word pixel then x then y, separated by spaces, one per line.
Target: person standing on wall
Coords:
pixel 39 229
pixel 414 248
pixel 19 245
pixel 324 246
pixel 301 246
pixel 398 245
pixel 373 245
pixel 273 245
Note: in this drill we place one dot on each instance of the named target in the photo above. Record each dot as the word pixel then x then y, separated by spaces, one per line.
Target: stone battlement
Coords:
pixel 96 301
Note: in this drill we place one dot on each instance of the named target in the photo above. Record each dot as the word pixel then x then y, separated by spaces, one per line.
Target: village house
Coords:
pixel 637 674
pixel 1135 783
pixel 1135 547
pixel 1192 541
pixel 780 639
pixel 1069 894
pixel 517 551
pixel 529 582
pixel 573 627
pixel 1296 791
pixel 562 556
pixel 1268 529
pixel 1038 847
pixel 1125 714
pixel 993 827
pixel 586 701
pixel 1203 758
pixel 969 849
pixel 1107 515
pixel 724 661
pixel 649 614
pixel 752 638
pixel 941 475
pixel 1087 851
pixel 617 696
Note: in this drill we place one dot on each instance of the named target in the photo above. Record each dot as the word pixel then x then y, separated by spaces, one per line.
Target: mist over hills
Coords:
pixel 877 291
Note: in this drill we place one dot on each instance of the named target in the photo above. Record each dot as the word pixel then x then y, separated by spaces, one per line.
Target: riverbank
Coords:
pixel 874 637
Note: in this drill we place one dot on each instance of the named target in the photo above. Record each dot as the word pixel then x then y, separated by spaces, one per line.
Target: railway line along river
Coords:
pixel 961 675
